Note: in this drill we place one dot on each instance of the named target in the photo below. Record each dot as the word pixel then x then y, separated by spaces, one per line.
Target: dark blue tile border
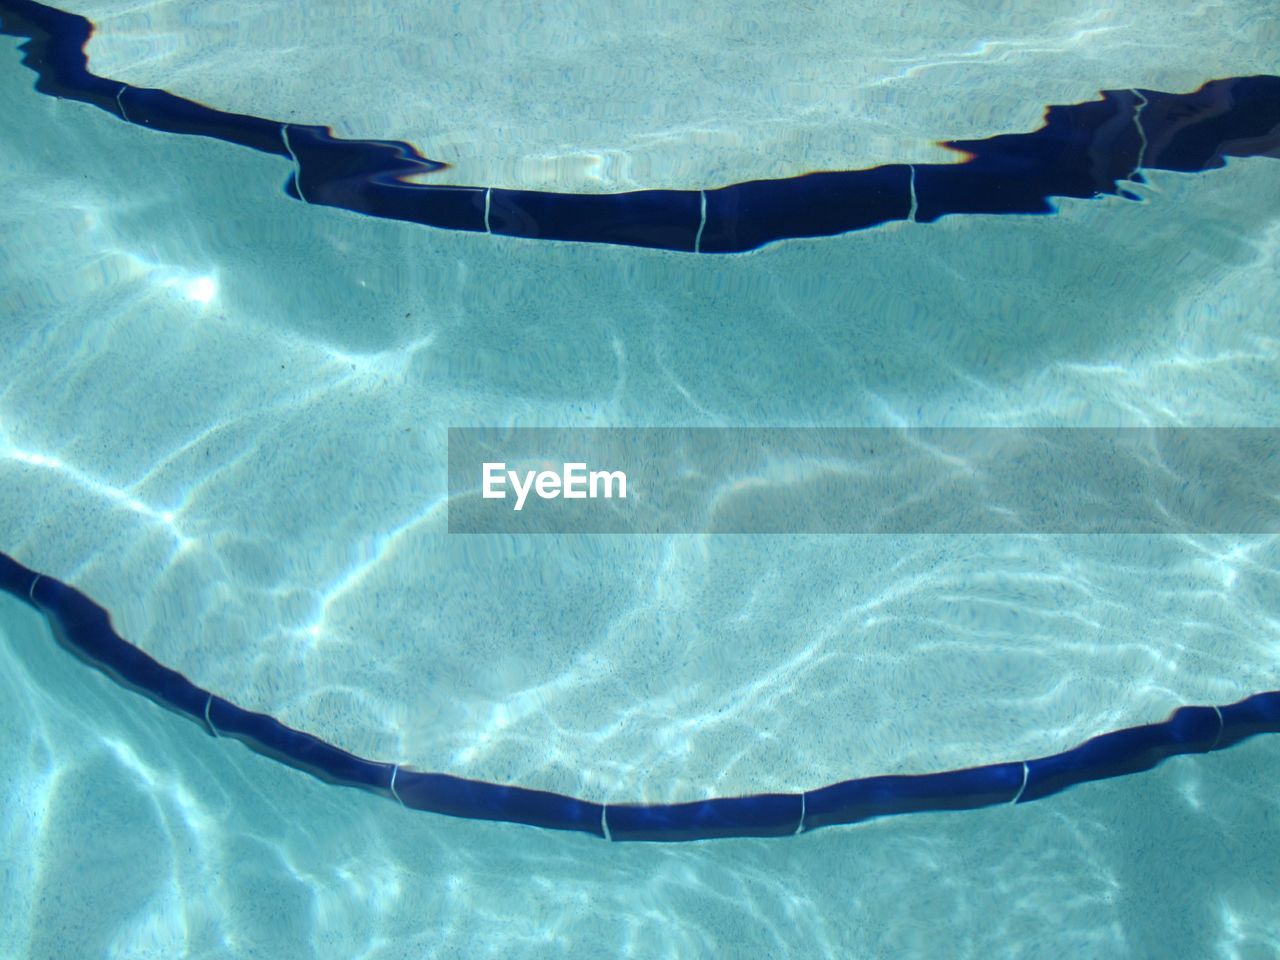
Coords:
pixel 1084 150
pixel 85 629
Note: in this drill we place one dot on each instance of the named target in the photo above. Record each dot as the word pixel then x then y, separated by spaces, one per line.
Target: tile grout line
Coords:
pixel 911 214
pixel 488 191
pixel 1218 738
pixel 604 822
pixel 208 721
pixel 1142 134
pixel 31 590
pixel 297 176
pixel 702 223
pixel 395 770
pixel 120 103
pixel 803 810
pixel 1026 774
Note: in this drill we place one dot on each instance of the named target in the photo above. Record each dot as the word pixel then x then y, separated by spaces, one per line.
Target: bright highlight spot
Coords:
pixel 201 290
pixel 36 459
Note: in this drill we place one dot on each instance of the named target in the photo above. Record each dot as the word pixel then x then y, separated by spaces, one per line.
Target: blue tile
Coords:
pixel 749 215
pixel 271 738
pixel 1191 132
pixel 1250 717
pixel 15 578
pixel 1195 729
pixel 856 800
pixel 476 800
pixel 943 189
pixel 444 207
pixel 371 177
pixel 448 208
pixel 231 720
pixel 56 52
pixel 1189 730
pixel 85 628
pixel 666 219
pixel 763 815
pixel 161 110
pixel 332 764
pixel 1081 151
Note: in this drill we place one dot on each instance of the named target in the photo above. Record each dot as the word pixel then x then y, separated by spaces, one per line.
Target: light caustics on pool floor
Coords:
pixel 1084 150
pixel 85 628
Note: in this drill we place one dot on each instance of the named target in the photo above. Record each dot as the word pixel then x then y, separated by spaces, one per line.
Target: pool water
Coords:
pixel 224 412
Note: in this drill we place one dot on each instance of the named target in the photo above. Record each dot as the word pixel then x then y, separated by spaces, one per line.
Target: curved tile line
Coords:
pixel 85 629
pixel 1083 150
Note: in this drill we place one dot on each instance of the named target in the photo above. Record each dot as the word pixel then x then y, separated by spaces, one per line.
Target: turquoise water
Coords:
pixel 223 416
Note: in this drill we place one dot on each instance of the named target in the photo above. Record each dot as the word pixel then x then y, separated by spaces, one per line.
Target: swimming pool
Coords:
pixel 225 421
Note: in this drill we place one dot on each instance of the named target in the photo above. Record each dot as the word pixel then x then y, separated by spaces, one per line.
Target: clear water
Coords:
pixel 223 415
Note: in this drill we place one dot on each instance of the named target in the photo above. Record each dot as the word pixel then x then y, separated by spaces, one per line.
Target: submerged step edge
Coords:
pixel 85 629
pixel 1085 151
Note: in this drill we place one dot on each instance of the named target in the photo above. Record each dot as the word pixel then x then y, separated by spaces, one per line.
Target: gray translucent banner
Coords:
pixel 865 480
